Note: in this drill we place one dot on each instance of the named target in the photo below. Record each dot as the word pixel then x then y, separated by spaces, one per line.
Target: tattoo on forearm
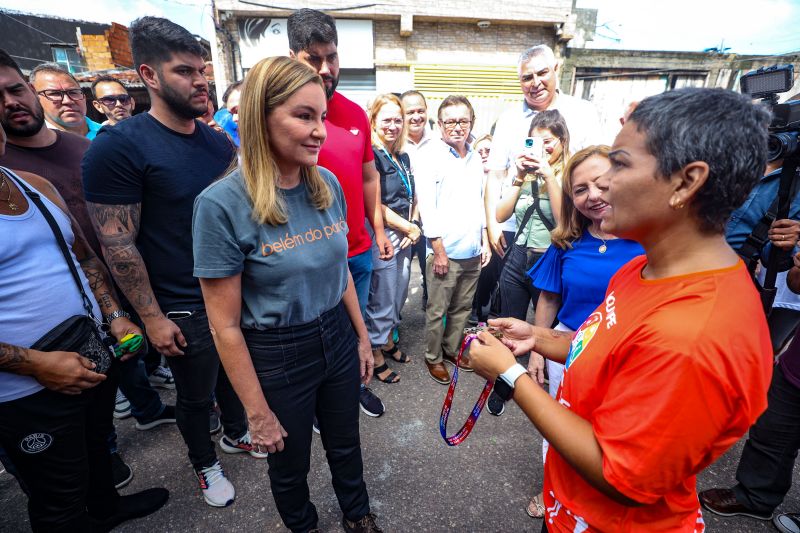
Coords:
pixel 556 334
pixel 117 227
pixel 12 357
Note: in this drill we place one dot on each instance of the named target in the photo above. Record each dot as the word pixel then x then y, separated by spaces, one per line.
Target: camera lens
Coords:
pixel 781 145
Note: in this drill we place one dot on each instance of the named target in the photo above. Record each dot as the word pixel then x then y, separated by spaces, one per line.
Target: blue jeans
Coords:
pixel 361 269
pixel 307 370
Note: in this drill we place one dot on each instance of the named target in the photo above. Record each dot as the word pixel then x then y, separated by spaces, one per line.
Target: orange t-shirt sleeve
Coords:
pixel 660 418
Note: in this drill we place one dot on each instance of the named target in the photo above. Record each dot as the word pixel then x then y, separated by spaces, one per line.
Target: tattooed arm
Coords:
pixel 94 270
pixel 65 372
pixel 117 227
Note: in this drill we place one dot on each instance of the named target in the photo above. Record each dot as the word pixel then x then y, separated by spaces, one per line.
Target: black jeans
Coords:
pixel 198 373
pixel 765 469
pixel 306 370
pixel 516 288
pixel 58 444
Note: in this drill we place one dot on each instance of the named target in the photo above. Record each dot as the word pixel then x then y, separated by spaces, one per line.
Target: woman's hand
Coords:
pixel 488 357
pixel 784 233
pixel 412 236
pixel 526 164
pixel 518 335
pixel 266 432
pixel 536 368
pixel 366 360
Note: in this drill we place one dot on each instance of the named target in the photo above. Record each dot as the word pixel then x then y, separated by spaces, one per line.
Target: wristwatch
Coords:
pixel 417 223
pixel 504 384
pixel 518 182
pixel 119 313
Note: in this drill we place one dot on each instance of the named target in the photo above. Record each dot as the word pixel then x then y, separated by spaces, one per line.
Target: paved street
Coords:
pixel 416 482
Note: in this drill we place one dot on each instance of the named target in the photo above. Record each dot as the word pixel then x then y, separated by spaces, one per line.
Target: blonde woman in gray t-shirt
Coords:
pixel 270 250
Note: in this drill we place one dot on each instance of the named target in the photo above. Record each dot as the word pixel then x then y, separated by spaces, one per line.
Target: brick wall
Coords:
pixel 454 42
pixel 96 52
pixel 120 47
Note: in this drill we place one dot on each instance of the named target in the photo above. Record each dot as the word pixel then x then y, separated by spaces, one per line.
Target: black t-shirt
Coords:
pixel 397 182
pixel 142 161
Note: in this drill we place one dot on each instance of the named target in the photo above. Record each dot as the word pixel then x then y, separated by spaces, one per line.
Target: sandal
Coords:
pixel 391 353
pixel 535 507
pixel 391 378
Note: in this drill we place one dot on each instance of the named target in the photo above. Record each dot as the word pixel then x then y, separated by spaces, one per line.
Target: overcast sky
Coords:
pixel 747 27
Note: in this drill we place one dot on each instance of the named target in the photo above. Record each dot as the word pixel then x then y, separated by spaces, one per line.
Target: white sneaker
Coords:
pixel 162 377
pixel 122 407
pixel 241 445
pixel 217 490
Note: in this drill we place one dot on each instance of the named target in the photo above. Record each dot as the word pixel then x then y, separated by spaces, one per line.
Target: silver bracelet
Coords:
pixel 115 315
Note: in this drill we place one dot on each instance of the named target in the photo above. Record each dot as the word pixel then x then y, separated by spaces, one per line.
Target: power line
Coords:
pixel 34 29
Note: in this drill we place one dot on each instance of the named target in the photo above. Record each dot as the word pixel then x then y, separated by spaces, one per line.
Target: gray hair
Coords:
pixel 724 129
pixel 536 51
pixel 53 68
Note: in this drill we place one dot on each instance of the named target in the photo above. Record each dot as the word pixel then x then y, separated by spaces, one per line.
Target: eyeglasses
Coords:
pixel 111 100
pixel 451 124
pixel 391 122
pixel 57 96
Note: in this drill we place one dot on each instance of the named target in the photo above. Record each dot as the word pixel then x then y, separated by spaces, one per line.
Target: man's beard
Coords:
pixel 28 130
pixel 334 84
pixel 179 104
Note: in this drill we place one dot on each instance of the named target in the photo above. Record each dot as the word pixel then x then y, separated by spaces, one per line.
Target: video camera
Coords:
pixel 766 83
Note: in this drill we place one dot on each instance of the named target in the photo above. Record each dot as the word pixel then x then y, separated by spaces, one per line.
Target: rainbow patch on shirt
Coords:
pixel 583 336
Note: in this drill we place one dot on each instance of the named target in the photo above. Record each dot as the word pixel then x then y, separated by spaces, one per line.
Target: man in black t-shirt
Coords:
pixel 140 180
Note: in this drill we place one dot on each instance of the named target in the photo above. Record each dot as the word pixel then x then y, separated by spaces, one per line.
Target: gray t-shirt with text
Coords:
pixel 291 273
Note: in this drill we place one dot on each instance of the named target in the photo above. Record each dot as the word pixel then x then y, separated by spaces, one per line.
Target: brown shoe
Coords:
pixel 724 503
pixel 438 373
pixel 465 365
pixel 365 525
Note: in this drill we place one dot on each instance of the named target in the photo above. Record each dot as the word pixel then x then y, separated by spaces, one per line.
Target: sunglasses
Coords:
pixel 110 101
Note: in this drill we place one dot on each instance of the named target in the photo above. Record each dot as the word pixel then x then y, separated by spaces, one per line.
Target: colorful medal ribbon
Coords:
pixel 465 430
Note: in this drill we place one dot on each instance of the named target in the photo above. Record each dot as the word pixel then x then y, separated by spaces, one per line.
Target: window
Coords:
pixel 68 57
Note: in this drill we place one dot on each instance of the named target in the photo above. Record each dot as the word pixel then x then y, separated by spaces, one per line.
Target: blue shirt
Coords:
pixel 744 219
pixel 94 127
pixel 224 118
pixel 581 274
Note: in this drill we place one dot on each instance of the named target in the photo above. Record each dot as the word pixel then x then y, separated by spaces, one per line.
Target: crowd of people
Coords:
pixel 263 253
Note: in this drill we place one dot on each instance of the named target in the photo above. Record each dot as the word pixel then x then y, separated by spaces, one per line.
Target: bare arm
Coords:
pixel 546 312
pixel 223 300
pixel 117 227
pixel 505 206
pixel 572 436
pixel 793 277
pixel 490 194
pixel 372 208
pixel 411 231
pixel 65 372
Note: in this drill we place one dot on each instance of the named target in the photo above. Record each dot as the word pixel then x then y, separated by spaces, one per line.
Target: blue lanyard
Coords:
pixel 403 173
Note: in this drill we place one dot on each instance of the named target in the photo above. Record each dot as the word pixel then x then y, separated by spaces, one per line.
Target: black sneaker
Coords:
pixel 122 473
pixel 167 416
pixel 495 405
pixel 132 506
pixel 370 404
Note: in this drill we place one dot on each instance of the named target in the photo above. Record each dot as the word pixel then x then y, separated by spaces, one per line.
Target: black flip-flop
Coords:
pixel 390 353
pixel 388 379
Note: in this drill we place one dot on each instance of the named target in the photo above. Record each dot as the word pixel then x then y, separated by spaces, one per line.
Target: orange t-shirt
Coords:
pixel 670 373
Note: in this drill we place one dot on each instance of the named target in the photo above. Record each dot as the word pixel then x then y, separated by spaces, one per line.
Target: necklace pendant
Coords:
pixel 602 249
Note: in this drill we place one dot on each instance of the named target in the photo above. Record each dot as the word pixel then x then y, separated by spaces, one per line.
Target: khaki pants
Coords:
pixel 449 296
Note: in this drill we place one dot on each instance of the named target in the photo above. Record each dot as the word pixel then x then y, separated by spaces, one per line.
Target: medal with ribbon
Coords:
pixel 461 434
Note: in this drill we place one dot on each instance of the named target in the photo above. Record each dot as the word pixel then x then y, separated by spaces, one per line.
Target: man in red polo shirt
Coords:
pixel 347 152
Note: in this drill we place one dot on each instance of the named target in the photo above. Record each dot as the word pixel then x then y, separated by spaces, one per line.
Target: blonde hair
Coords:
pixel 269 84
pixel 573 222
pixel 375 108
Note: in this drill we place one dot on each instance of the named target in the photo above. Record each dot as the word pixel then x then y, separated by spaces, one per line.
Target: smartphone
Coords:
pixel 534 146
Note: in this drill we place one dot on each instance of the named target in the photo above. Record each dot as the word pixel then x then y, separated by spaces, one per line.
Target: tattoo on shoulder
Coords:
pixel 12 357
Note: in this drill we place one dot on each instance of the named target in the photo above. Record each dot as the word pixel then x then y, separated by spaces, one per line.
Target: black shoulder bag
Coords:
pixel 526 218
pixel 78 333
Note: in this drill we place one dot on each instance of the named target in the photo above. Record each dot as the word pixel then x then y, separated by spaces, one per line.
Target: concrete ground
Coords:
pixel 416 482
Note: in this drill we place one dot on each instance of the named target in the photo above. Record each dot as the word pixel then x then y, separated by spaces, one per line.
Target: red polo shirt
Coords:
pixel 346 149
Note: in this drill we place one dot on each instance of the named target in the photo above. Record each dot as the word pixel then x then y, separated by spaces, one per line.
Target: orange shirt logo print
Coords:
pixel 312 235
pixel 582 337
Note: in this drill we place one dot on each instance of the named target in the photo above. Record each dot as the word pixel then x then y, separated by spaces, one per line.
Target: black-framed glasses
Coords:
pixel 54 95
pixel 112 99
pixel 451 124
